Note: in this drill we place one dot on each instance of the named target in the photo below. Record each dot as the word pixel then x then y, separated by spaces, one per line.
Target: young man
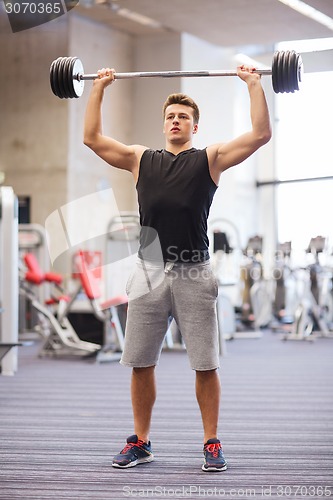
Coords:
pixel 173 277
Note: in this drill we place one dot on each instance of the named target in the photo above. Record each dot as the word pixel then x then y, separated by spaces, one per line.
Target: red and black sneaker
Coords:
pixel 135 452
pixel 214 458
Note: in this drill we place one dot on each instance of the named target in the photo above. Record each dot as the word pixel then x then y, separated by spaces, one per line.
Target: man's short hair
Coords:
pixel 185 100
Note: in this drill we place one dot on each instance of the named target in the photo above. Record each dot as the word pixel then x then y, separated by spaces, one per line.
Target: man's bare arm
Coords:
pixel 110 150
pixel 223 156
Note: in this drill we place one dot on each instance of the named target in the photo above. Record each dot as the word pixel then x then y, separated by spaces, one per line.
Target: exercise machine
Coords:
pixel 60 337
pixel 104 310
pixel 32 239
pixel 309 316
pixel 227 258
pixel 256 309
pixel 121 248
pixel 281 275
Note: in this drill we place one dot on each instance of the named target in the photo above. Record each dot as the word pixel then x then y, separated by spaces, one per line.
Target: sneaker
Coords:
pixel 135 452
pixel 214 458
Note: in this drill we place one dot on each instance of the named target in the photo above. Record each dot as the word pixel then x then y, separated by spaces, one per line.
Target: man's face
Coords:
pixel 179 123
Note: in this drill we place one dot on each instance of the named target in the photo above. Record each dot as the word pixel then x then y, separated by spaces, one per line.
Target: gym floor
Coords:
pixel 62 420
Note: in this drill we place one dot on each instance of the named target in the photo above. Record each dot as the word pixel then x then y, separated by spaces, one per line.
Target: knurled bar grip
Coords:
pixel 170 74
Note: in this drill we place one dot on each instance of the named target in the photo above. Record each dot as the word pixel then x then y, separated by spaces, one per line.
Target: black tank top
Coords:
pixel 175 193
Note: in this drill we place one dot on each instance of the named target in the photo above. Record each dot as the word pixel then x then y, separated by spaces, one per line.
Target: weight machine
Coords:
pixel 256 309
pixel 227 258
pixel 61 338
pixel 309 316
pixel 281 273
pixel 32 239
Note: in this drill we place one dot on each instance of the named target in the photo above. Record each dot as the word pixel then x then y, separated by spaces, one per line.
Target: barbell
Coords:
pixel 67 75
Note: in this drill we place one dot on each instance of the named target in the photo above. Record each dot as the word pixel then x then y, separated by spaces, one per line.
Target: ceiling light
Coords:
pixel 310 12
pixel 126 13
pixel 134 16
pixel 138 18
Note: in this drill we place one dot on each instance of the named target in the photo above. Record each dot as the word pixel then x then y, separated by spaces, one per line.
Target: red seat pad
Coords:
pixel 114 301
pixel 90 280
pixel 34 268
pixel 88 277
pixel 53 278
pixel 34 278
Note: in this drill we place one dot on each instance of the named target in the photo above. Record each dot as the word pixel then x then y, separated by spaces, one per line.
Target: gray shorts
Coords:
pixel 186 292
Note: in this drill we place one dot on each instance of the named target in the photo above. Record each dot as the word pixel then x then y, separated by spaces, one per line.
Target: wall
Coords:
pixel 42 152
pixel 33 126
pixel 98 47
pixel 161 52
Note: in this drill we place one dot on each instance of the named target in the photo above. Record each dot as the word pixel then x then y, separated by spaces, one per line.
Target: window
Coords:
pixel 304 150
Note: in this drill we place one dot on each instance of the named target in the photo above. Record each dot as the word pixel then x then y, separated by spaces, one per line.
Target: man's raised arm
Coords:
pixel 224 156
pixel 112 151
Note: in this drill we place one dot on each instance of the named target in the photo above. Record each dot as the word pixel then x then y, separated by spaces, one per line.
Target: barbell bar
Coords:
pixel 67 76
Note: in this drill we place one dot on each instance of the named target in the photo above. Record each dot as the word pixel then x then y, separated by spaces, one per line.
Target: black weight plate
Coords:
pixel 280 72
pixel 278 62
pixel 275 72
pixel 69 76
pixel 55 78
pixel 65 82
pixel 298 71
pixel 288 74
pixel 51 77
pixel 291 71
pixel 294 69
pixel 289 77
pixel 285 76
pixel 60 77
pixel 284 72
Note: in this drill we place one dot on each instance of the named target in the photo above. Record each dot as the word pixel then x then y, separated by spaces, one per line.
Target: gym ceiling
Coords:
pixel 228 23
